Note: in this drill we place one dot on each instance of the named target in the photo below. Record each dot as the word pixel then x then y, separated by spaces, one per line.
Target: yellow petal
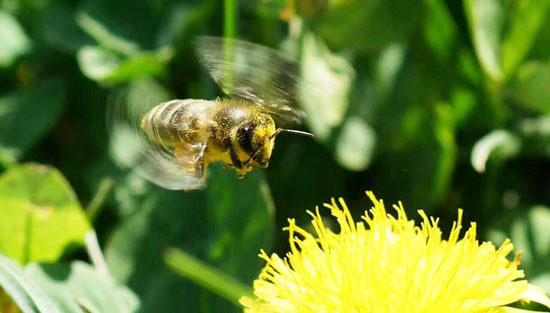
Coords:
pixel 536 294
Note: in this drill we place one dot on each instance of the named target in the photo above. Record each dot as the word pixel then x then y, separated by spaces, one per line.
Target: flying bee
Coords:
pixel 175 141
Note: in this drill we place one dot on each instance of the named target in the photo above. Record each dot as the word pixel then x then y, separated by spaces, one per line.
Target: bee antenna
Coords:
pixel 293 131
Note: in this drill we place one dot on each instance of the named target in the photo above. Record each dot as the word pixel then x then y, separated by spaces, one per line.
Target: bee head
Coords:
pixel 256 139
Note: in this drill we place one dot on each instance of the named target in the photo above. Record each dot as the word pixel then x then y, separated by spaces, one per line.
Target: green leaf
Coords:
pixel 79 288
pixel 115 27
pixel 503 32
pixel 40 217
pixel 527 228
pixel 367 25
pixel 149 63
pixel 104 37
pixel 225 226
pixel 60 31
pixel 416 146
pixel 444 134
pixel 97 63
pixel 536 135
pixel 106 66
pixel 329 78
pixel 527 17
pixel 159 218
pixel 440 29
pixel 463 101
pixel 22 290
pixel 238 211
pixel 355 144
pixel 498 143
pixel 388 65
pixel 26 115
pixel 531 89
pixel 486 19
pixel 14 40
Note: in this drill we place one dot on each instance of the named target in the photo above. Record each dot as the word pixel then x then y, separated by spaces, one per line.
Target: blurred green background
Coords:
pixel 441 104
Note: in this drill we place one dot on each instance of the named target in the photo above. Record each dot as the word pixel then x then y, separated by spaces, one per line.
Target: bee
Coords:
pixel 179 139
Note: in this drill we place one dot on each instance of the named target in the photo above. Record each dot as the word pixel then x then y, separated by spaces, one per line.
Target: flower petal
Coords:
pixel 536 294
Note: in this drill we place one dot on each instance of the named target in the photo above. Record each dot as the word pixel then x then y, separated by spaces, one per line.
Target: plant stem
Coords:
pixel 206 276
pixel 230 18
pixel 95 254
pixel 95 206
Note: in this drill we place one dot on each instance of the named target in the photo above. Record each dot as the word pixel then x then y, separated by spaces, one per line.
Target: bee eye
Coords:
pixel 244 136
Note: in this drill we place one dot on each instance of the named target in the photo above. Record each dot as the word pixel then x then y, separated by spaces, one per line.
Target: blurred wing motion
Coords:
pixel 152 159
pixel 256 73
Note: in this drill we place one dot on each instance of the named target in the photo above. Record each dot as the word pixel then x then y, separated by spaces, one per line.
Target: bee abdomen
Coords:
pixel 172 122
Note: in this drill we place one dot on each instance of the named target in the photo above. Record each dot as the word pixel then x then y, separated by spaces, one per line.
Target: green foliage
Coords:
pixel 527 228
pixel 441 104
pixel 79 288
pixel 40 216
pixel 15 41
pixel 26 115
pixel 22 291
pixel 226 226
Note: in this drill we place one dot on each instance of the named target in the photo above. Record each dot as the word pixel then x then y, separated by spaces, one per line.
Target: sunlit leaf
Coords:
pixel 498 143
pixel 79 288
pixel 355 144
pixel 22 290
pixel 14 40
pixel 527 17
pixel 108 67
pixel 329 77
pixel 104 37
pixel 389 63
pixel 503 32
pixel 143 64
pixel 26 115
pixel 40 217
pixel 486 18
pixel 97 63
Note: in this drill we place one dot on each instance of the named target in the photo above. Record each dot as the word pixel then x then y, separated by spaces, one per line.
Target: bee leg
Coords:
pixel 199 168
pixel 239 168
pixel 235 159
pixel 243 171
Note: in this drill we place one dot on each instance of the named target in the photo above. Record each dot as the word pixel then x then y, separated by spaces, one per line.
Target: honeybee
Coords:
pixel 175 141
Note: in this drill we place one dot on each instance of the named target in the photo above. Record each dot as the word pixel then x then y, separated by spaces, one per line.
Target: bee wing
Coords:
pixel 253 72
pixel 131 147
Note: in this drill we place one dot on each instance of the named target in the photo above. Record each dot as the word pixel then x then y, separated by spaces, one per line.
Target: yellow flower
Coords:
pixel 389 265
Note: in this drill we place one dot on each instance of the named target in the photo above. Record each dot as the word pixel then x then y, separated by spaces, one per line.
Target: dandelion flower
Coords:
pixel 387 264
